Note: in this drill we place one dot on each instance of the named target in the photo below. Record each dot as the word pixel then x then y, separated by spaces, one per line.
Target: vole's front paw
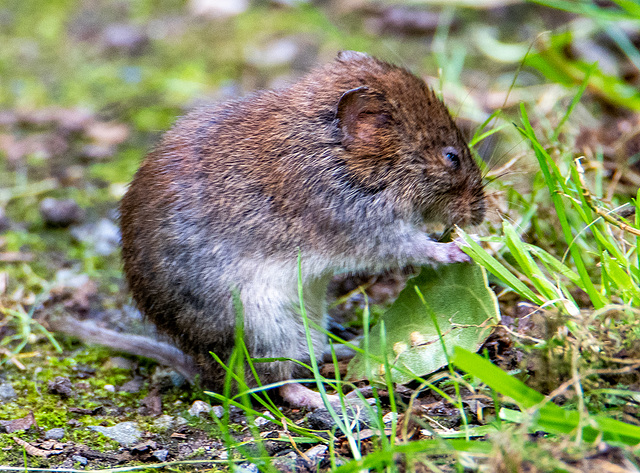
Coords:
pixel 448 253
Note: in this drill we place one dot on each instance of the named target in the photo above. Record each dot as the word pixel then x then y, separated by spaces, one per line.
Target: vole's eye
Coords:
pixel 451 154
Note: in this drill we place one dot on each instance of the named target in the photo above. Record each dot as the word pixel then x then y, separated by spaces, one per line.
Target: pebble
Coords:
pixel 119 362
pixel 54 434
pixel 69 278
pixel 180 421
pixel 103 236
pixel 98 152
pixel 108 133
pixel 273 54
pixel 248 468
pixel 164 422
pixel 316 453
pixel 80 459
pixel 128 39
pixel 109 388
pixel 218 411
pixel 161 455
pixel 320 419
pixel 7 393
pixel 260 421
pixel 61 213
pixel 287 463
pixel 199 407
pixel 167 377
pixel 5 223
pixel 60 385
pixel 125 433
pixel 133 386
pixel 217 9
pixel 389 417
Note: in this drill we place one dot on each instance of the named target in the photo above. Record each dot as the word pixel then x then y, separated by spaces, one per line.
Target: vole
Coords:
pixel 343 167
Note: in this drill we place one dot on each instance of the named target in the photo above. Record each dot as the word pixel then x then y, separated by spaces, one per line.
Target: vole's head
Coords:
pixel 399 138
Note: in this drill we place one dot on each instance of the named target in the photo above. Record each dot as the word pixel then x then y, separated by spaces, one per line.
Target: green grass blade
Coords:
pixel 574 101
pixel 528 266
pixel 495 378
pixel 547 416
pixel 552 184
pixel 496 268
pixel 589 9
pixel 554 265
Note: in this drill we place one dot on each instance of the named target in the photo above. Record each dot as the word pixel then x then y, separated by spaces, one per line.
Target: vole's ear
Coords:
pixel 352 56
pixel 362 119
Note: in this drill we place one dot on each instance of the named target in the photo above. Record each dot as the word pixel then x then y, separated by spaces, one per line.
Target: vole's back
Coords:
pixel 224 203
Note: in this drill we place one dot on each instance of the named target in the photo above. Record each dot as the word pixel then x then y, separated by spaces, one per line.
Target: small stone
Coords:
pixel 119 362
pixel 218 411
pixel 109 388
pixel 389 417
pixel 7 393
pixel 125 38
pixel 286 463
pixel 108 133
pixel 97 152
pixel 320 419
pixel 316 453
pixel 61 213
pixel 289 3
pixel 217 9
pixel 8 118
pixel 103 236
pixel 133 386
pixel 80 459
pixel 248 468
pixel 180 421
pixel 5 223
pixel 280 52
pixel 164 377
pixel 145 446
pixel 199 407
pixel 161 455
pixel 125 433
pixel 70 279
pixel 60 385
pixel 54 434
pixel 72 120
pixel 152 404
pixel 164 422
pixel 15 425
pixel 260 421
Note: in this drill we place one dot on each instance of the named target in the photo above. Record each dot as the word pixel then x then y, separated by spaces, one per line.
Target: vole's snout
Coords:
pixel 478 208
pixel 468 209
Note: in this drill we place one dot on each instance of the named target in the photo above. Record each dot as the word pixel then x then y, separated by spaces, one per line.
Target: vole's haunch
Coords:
pixel 344 166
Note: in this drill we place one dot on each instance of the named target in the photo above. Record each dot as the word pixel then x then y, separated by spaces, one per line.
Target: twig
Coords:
pixel 606 215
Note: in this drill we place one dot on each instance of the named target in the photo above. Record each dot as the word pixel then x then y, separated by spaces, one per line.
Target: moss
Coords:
pixel 94 440
pixel 122 168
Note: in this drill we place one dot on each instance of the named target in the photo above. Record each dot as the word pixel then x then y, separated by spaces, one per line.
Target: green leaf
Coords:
pixel 465 309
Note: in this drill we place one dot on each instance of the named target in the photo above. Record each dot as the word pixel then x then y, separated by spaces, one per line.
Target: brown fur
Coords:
pixel 344 166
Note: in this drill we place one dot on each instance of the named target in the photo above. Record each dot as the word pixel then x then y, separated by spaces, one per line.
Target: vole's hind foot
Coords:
pixel 297 395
